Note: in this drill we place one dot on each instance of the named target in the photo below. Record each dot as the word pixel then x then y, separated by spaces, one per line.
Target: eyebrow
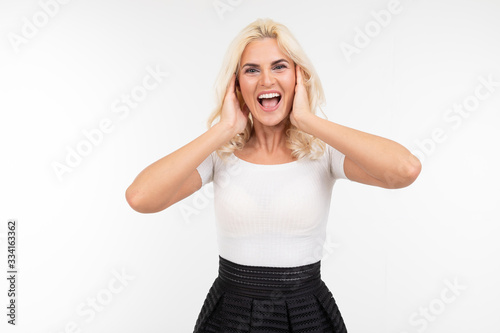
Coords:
pixel 272 64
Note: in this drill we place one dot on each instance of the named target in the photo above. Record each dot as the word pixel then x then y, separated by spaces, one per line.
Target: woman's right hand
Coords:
pixel 174 177
pixel 231 113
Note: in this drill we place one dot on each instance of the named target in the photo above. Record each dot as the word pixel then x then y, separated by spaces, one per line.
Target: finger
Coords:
pixel 230 86
pixel 246 110
pixel 299 74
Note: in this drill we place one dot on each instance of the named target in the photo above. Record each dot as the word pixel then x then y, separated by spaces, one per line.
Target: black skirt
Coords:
pixel 254 299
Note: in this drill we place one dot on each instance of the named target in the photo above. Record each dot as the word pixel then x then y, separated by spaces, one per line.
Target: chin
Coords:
pixel 270 119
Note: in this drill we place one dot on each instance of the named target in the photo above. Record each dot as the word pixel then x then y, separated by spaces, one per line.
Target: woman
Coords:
pixel 273 163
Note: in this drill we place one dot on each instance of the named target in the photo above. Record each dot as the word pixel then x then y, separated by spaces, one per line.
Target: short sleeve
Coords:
pixel 336 162
pixel 206 169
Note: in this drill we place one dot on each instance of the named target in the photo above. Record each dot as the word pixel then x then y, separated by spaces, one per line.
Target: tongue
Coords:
pixel 270 102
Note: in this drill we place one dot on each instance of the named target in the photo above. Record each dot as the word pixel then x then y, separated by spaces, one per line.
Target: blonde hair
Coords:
pixel 302 144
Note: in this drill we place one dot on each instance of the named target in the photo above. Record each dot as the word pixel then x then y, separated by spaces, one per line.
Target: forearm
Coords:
pixel 160 181
pixel 381 158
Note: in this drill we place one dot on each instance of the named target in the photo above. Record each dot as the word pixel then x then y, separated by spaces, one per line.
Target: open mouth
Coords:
pixel 269 102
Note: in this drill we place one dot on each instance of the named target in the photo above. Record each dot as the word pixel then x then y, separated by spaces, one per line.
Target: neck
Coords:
pixel 268 139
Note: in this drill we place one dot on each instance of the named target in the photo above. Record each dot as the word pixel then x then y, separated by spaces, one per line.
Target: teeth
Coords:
pixel 272 95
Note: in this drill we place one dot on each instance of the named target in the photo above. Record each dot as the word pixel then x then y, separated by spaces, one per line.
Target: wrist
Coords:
pixel 225 131
pixel 303 121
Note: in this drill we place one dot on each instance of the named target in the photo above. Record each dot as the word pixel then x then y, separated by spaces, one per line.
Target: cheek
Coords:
pixel 290 88
pixel 246 92
pixel 290 83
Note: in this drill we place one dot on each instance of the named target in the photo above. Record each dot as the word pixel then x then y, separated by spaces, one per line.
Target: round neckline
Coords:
pixel 266 165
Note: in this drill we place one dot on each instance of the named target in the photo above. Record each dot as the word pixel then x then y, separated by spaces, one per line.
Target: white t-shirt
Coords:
pixel 272 215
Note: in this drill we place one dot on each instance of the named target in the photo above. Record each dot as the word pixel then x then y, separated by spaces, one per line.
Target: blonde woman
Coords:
pixel 273 163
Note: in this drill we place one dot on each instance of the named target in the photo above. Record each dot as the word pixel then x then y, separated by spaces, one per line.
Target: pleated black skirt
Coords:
pixel 254 299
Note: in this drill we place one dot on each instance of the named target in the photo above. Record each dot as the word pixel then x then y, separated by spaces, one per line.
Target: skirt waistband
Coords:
pixel 261 281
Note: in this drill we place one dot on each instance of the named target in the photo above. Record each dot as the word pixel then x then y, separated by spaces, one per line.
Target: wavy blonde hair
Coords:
pixel 301 143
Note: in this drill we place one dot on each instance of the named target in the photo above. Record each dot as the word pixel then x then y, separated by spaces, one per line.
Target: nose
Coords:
pixel 267 78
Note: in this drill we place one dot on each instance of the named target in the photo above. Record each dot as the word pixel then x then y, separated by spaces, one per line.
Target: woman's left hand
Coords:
pixel 300 106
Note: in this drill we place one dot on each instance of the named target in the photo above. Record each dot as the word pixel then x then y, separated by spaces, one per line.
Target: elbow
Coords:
pixel 413 169
pixel 135 200
pixel 407 174
pixel 142 203
pixel 132 198
pixel 412 175
pixel 417 167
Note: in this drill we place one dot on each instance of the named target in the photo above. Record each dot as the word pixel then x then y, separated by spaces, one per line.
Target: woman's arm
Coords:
pixel 370 159
pixel 155 186
pixel 174 176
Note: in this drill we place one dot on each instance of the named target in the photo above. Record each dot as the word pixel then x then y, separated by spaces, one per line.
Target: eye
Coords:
pixel 250 69
pixel 280 67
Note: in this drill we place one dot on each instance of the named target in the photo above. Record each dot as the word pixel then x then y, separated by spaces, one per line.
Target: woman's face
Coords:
pixel 265 70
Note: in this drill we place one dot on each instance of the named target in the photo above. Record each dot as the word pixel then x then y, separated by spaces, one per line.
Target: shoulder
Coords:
pixel 332 152
pixel 324 154
pixel 334 160
pixel 223 161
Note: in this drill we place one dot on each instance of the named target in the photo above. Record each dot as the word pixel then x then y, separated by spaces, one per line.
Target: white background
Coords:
pixel 391 254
